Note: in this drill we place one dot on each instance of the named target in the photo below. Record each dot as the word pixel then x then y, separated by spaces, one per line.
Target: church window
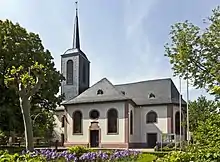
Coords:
pixel 99 92
pixel 177 123
pixel 84 73
pixel 77 122
pixel 112 116
pixel 151 117
pixel 94 114
pixel 151 95
pixel 131 122
pixel 69 73
pixel 63 120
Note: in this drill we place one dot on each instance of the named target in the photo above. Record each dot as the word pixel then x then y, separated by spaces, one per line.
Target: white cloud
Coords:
pixel 150 62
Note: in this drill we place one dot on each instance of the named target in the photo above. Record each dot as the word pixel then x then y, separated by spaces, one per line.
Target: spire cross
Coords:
pixel 76 42
pixel 76 5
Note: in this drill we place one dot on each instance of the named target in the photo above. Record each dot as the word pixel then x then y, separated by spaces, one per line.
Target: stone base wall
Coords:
pixel 110 145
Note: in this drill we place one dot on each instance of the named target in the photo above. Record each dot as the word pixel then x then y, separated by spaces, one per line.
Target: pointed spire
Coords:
pixel 76 41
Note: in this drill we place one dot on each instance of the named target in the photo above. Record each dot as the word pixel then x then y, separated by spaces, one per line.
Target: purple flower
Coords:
pixel 51 154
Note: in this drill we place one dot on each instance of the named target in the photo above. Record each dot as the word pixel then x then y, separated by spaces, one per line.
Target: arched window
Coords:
pixel 100 92
pixel 177 123
pixel 151 117
pixel 63 120
pixel 69 72
pixel 77 122
pixel 131 122
pixel 112 116
pixel 84 73
pixel 151 95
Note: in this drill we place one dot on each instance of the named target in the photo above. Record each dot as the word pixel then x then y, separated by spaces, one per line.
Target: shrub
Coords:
pixel 6 157
pixel 146 158
pixel 159 154
pixel 78 150
pixel 193 153
pixel 3 140
pixel 176 156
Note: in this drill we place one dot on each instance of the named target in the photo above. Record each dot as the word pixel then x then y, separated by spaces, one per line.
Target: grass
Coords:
pixel 147 158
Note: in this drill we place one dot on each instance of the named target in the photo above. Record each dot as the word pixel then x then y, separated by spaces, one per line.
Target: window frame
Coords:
pixel 100 92
pixel 73 122
pixel 63 121
pixel 147 117
pixel 91 113
pixel 131 122
pixel 69 79
pixel 117 124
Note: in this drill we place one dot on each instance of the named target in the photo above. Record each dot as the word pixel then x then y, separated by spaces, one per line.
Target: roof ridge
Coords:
pixel 151 80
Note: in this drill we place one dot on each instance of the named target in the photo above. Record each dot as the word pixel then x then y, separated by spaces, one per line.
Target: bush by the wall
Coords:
pixel 159 153
pixel 176 156
pixel 78 150
pixel 146 158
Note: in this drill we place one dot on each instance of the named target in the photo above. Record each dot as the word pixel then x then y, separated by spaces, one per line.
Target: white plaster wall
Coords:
pixel 102 108
pixel 160 127
pixel 58 130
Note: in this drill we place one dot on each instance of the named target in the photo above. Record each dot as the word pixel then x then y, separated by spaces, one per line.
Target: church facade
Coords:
pixel 132 115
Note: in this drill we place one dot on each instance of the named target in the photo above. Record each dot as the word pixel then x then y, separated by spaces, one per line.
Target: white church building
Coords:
pixel 131 115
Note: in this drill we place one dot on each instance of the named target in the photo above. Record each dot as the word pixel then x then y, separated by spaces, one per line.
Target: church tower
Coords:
pixel 75 67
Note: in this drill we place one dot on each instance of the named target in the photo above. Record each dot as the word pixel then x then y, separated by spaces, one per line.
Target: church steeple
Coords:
pixel 75 67
pixel 76 40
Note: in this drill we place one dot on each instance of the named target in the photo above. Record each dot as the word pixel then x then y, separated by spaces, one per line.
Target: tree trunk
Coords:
pixel 25 110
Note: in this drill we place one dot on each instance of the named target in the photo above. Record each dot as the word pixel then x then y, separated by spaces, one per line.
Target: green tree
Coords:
pixel 28 70
pixel 200 110
pixel 194 52
pixel 208 132
pixel 43 124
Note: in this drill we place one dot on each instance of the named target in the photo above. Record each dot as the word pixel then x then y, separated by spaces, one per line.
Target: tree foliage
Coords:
pixel 195 55
pixel 200 110
pixel 27 71
pixel 208 132
pixel 195 52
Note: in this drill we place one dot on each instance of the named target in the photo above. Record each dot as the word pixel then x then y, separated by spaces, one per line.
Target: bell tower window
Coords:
pixel 84 73
pixel 69 72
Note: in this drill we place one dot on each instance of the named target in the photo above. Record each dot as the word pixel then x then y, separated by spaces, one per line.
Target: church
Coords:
pixel 105 115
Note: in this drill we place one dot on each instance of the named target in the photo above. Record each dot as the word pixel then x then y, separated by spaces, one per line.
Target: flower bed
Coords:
pixel 78 154
pixel 100 156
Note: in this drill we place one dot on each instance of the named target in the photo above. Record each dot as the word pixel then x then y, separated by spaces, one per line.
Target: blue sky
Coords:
pixel 124 39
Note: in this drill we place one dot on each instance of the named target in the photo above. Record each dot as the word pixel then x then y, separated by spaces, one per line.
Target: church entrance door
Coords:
pixel 94 138
pixel 151 139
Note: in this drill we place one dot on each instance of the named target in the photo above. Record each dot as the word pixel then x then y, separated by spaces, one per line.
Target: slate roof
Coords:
pixel 110 93
pixel 164 90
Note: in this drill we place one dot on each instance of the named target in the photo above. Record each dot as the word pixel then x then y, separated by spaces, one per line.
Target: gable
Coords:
pixel 110 93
